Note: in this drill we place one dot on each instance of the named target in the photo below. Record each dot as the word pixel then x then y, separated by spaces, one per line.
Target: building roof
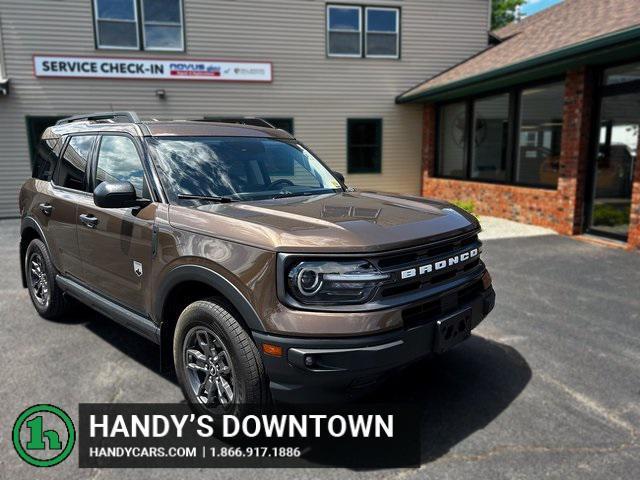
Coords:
pixel 566 28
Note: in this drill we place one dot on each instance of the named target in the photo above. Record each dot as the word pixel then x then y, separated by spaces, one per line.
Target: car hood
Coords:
pixel 336 222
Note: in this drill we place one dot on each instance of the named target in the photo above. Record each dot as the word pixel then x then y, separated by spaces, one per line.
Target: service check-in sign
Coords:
pixel 152 69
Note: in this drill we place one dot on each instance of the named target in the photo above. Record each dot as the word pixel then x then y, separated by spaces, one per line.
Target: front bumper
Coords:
pixel 326 369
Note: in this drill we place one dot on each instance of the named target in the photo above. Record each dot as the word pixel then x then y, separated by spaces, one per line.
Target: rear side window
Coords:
pixel 71 173
pixel 118 161
pixel 45 159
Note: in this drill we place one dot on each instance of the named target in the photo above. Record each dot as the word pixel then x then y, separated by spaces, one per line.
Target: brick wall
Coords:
pixel 634 221
pixel 560 209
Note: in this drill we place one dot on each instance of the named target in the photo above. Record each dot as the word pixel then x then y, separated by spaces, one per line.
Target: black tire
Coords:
pixel 37 259
pixel 248 379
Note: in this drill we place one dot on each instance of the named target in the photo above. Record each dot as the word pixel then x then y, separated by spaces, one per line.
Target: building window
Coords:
pixel 345 27
pixel 344 31
pixel 512 138
pixel 364 145
pixel 540 135
pixel 120 24
pixel 452 140
pixel 382 32
pixel 116 23
pixel 162 20
pixel 490 138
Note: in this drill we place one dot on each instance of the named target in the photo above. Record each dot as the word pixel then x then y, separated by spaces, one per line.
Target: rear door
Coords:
pixel 115 243
pixel 68 189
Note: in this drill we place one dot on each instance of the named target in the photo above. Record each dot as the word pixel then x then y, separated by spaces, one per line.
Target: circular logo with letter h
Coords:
pixel 44 435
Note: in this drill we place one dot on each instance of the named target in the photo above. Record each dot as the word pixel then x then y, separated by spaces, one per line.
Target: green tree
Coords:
pixel 504 12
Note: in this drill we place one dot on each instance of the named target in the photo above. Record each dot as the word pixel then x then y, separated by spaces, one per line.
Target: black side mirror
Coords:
pixel 339 176
pixel 117 195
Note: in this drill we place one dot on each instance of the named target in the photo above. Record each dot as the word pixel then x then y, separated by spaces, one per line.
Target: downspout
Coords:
pixel 4 82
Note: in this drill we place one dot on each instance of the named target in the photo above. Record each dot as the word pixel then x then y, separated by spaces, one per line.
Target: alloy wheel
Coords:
pixel 39 280
pixel 208 367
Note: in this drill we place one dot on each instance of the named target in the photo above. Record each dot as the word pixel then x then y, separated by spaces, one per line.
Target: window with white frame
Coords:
pixel 344 31
pixel 139 24
pixel 382 35
pixel 363 31
pixel 116 23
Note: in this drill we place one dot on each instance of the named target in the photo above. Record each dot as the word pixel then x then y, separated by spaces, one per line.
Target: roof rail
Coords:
pixel 128 117
pixel 254 121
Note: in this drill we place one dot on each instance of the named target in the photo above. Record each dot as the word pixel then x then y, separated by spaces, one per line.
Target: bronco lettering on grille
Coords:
pixel 439 265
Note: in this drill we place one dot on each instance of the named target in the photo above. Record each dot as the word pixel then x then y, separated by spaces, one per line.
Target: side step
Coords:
pixel 139 324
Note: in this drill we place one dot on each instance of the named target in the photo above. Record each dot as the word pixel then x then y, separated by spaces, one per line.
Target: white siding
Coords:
pixel 319 93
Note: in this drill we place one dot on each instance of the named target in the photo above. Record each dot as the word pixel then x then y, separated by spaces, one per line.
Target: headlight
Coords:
pixel 334 283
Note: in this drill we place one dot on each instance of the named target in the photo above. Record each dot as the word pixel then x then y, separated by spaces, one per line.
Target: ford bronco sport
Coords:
pixel 252 265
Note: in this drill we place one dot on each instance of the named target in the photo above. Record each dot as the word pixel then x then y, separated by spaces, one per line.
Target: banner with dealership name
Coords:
pixel 151 69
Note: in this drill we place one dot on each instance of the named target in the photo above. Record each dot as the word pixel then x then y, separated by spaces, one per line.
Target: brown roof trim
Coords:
pixel 585 47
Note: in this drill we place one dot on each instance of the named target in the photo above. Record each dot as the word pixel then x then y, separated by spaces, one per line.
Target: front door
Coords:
pixel 616 154
pixel 115 243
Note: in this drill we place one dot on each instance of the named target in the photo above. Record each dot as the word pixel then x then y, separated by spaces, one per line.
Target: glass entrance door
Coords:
pixel 616 156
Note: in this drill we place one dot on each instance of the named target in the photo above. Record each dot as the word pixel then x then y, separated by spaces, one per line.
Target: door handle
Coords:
pixel 89 220
pixel 46 208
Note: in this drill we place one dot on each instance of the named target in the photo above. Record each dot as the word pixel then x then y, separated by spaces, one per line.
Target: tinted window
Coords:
pixel 240 168
pixel 364 145
pixel 490 134
pixel 118 161
pixel 540 135
pixel 45 159
pixel 74 162
pixel 452 144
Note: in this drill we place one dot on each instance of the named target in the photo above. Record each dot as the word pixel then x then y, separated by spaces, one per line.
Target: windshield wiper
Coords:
pixel 294 194
pixel 208 198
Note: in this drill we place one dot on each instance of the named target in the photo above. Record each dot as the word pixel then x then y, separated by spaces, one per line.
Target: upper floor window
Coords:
pixel 139 24
pixel 382 32
pixel 344 31
pixel 354 31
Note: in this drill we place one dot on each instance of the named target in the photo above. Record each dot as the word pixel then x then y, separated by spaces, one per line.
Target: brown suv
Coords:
pixel 259 273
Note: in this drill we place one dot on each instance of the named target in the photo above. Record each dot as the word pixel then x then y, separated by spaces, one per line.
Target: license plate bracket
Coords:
pixel 451 330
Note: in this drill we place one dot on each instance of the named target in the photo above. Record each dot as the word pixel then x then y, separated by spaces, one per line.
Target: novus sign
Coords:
pixel 147 68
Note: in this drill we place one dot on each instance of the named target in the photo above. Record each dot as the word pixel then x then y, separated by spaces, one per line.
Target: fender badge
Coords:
pixel 137 268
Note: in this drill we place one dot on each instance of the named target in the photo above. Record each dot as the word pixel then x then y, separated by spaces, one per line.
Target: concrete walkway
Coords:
pixel 494 228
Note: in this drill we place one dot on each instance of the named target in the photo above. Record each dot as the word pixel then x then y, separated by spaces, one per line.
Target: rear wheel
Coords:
pixel 46 296
pixel 217 364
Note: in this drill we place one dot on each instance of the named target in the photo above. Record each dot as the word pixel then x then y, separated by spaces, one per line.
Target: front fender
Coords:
pixel 199 273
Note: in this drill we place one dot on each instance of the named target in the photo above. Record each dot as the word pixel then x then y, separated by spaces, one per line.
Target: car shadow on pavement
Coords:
pixel 138 348
pixel 459 392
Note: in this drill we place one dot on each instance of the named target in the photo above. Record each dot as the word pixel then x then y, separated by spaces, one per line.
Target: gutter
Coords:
pixel 587 46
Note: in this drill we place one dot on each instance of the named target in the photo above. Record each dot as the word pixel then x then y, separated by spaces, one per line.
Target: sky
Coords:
pixel 534 6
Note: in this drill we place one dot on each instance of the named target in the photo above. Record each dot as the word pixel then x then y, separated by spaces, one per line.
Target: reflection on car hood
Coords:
pixel 336 222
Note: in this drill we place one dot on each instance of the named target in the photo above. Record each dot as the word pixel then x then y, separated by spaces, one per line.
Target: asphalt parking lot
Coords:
pixel 549 385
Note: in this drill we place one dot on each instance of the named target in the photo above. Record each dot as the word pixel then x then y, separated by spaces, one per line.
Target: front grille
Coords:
pixel 395 263
pixel 428 311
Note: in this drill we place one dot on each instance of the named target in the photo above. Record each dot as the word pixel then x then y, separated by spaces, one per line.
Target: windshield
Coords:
pixel 237 168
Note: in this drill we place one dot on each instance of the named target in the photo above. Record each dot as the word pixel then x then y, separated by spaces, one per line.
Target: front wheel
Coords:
pixel 217 364
pixel 46 296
